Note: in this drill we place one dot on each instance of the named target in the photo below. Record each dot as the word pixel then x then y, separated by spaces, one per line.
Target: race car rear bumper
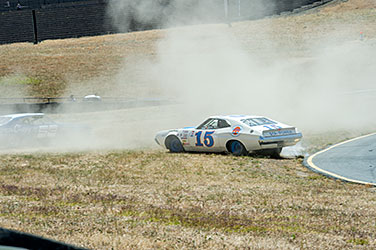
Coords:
pixel 279 141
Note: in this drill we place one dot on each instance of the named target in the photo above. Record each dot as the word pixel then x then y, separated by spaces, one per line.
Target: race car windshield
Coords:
pixel 4 120
pixel 257 121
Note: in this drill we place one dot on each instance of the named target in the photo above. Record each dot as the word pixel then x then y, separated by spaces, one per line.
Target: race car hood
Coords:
pixel 164 133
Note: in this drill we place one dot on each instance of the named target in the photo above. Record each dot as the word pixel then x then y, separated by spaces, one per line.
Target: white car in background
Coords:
pixel 36 128
pixel 236 134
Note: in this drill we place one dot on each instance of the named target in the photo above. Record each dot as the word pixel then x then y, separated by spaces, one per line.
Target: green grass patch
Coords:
pixel 19 80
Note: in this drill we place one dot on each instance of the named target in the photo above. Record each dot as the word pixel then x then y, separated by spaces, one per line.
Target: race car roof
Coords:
pixel 236 117
pixel 14 116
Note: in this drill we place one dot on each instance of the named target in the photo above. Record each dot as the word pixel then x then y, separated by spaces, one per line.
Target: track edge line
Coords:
pixel 309 162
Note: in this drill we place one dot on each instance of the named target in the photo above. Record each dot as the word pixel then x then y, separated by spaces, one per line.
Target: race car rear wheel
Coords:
pixel 276 153
pixel 237 148
pixel 174 145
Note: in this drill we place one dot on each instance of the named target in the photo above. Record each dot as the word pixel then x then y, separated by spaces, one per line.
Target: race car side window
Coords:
pixel 202 125
pixel 223 124
pixel 39 120
pixel 214 123
pixel 24 121
pixel 4 120
pixel 205 124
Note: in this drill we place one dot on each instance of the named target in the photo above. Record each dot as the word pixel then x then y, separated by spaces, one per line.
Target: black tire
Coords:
pixel 237 148
pixel 174 145
pixel 274 153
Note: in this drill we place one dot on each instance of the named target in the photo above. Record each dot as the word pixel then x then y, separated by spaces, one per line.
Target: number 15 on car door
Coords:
pixel 204 140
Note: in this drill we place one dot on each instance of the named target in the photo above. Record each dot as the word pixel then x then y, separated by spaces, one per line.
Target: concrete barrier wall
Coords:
pixel 55 23
pixel 88 18
pixel 73 21
pixel 78 107
pixel 16 26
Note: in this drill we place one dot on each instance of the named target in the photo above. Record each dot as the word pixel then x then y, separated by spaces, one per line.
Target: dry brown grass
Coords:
pixel 49 66
pixel 153 199
pixel 304 35
pixel 344 6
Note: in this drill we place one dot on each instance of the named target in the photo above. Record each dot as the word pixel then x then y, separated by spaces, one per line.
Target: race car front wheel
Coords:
pixel 174 145
pixel 237 148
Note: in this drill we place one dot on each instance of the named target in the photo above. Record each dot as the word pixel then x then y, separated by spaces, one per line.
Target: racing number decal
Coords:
pixel 198 139
pixel 208 139
pixel 46 131
pixel 42 131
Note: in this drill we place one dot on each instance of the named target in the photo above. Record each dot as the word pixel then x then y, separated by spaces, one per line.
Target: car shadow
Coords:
pixel 251 155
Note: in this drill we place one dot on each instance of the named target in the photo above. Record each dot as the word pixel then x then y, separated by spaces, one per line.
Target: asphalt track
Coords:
pixel 353 160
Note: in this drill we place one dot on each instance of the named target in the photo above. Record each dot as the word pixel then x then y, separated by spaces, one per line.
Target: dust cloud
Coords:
pixel 208 69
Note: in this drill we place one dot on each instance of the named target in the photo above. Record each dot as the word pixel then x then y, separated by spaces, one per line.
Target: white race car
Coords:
pixel 34 128
pixel 236 134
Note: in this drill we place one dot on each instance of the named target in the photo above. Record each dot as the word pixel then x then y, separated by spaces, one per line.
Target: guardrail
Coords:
pixel 39 20
pixel 70 105
pixel 46 100
pixel 12 100
pixel 6 5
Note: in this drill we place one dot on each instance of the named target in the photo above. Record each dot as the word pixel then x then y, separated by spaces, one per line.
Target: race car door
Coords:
pixel 205 136
pixel 44 127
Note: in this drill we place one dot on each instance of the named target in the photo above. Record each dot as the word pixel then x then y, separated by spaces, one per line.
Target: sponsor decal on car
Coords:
pixel 272 126
pixel 236 130
pixel 278 132
pixel 183 134
pixel 185 142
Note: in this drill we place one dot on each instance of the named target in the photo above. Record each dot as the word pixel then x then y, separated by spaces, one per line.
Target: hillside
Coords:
pixel 52 67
